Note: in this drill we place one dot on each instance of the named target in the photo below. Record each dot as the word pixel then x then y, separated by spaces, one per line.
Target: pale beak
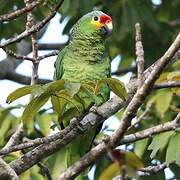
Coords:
pixel 107 28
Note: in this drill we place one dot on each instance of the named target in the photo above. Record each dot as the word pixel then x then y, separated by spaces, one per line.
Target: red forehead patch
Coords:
pixel 104 18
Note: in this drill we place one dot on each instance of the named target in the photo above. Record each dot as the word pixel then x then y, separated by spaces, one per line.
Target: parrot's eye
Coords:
pixel 108 21
pixel 96 18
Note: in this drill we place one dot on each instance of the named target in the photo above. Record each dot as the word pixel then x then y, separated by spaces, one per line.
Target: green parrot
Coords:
pixel 85 59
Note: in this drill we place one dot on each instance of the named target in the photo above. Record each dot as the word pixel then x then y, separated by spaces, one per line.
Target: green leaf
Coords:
pixel 57 163
pixel 40 89
pixel 44 122
pixel 6 111
pixel 115 85
pixel 88 90
pixel 5 125
pixel 175 169
pixel 25 175
pixel 20 92
pixel 168 76
pixel 54 87
pixel 140 147
pixel 39 101
pixel 163 100
pixel 112 171
pixel 33 107
pixel 133 161
pixel 174 76
pixel 162 78
pixel 101 164
pixel 173 153
pixel 72 88
pixel 58 103
pixel 159 141
pixel 125 159
pixel 129 159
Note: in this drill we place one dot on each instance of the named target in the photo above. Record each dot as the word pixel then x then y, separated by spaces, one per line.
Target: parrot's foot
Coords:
pixel 106 138
pixel 74 122
pixel 93 109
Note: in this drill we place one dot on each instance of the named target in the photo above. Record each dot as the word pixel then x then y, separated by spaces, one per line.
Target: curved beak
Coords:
pixel 107 28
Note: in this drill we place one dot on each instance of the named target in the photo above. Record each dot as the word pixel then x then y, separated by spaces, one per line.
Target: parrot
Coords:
pixel 85 59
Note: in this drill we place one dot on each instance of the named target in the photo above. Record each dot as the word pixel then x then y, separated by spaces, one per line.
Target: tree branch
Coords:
pixel 125 70
pixel 58 46
pixel 140 55
pixel 35 28
pixel 170 84
pixel 13 15
pixel 13 76
pixel 54 53
pixel 129 113
pixel 103 112
pixel 143 116
pixel 173 125
pixel 45 170
pixel 150 170
pixel 9 170
pixel 17 56
pixel 29 25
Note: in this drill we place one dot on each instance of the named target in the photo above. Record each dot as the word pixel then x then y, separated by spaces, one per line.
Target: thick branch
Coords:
pixel 9 170
pixel 129 113
pixel 173 125
pixel 143 116
pixel 58 46
pixel 42 151
pixel 13 76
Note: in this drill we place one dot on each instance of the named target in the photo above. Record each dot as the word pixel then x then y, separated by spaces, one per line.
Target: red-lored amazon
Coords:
pixel 84 60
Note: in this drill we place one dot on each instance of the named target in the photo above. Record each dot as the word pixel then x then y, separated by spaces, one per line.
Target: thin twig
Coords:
pixel 35 28
pixel 21 57
pixel 10 171
pixel 150 170
pixel 13 15
pixel 143 116
pixel 140 55
pixel 54 53
pixel 17 56
pixel 45 170
pixel 170 84
pixel 29 25
pixel 125 70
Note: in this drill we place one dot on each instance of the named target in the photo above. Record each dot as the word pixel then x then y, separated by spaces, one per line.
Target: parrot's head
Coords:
pixel 95 24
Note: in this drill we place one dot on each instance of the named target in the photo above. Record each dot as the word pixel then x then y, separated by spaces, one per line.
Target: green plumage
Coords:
pixel 83 60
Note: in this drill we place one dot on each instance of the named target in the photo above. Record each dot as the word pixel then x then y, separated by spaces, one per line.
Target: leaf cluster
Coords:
pixel 61 93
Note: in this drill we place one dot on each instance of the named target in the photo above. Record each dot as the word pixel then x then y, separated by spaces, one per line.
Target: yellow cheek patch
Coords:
pixel 97 24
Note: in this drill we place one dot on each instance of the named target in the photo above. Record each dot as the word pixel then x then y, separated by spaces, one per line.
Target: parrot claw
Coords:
pixel 106 138
pixel 93 109
pixel 75 122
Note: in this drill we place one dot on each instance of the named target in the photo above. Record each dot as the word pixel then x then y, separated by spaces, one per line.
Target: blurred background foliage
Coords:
pixel 160 21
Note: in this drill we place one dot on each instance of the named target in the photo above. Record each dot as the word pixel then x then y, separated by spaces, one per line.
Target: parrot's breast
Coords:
pixel 83 63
